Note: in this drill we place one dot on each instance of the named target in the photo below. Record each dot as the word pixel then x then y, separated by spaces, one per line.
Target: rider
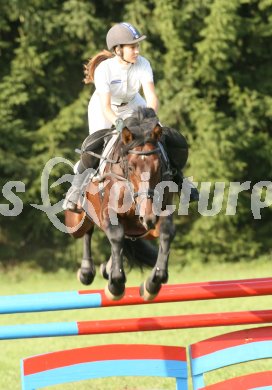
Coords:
pixel 118 74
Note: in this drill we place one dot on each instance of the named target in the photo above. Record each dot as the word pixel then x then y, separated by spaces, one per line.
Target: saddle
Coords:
pixel 93 146
pixel 176 147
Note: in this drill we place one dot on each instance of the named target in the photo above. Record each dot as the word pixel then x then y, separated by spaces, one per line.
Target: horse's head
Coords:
pixel 140 138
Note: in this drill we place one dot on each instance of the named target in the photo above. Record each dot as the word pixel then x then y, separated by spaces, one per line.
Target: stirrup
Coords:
pixel 194 194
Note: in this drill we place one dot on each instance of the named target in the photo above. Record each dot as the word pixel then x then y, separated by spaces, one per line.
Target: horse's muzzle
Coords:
pixel 148 221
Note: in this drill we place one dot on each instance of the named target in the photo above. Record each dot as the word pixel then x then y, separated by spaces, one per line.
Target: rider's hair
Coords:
pixel 93 62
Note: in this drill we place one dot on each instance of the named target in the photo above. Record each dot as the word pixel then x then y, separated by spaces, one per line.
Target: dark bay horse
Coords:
pixel 128 203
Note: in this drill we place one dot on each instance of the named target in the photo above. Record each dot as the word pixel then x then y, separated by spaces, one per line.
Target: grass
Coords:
pixel 25 281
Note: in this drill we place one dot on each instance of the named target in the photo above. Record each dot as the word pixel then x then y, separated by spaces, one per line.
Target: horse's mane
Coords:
pixel 141 124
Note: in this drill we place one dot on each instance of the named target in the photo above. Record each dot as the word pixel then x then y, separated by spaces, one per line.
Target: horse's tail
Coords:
pixel 141 253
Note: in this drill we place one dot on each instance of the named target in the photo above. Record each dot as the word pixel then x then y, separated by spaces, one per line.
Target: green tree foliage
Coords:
pixel 216 88
pixel 212 66
pixel 43 107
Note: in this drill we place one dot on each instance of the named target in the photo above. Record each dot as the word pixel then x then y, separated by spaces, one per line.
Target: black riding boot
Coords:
pixel 91 151
pixel 87 166
pixel 188 186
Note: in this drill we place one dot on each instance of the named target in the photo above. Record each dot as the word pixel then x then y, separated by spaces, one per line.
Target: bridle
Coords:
pixel 150 193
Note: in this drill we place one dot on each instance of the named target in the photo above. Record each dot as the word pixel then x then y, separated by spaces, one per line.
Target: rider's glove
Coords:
pixel 119 124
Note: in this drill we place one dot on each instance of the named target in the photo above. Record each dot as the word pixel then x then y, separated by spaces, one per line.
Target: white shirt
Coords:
pixel 122 81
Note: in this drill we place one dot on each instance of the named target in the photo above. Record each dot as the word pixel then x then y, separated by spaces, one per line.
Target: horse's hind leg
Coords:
pixel 151 287
pixel 86 273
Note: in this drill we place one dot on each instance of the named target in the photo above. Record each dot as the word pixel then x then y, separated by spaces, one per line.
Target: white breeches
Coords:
pixel 96 118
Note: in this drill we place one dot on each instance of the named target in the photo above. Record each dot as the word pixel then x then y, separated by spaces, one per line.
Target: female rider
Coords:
pixel 118 75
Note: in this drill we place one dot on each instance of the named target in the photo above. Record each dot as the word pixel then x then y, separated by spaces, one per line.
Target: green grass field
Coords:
pixel 25 281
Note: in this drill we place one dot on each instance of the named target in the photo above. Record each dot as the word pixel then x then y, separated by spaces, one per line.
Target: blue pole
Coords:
pixel 48 302
pixel 53 329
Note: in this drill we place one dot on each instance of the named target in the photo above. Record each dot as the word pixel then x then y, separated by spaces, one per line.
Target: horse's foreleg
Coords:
pixel 116 274
pixel 151 287
pixel 86 273
pixel 105 269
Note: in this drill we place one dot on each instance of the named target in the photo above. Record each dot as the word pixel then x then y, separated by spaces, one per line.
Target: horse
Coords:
pixel 128 201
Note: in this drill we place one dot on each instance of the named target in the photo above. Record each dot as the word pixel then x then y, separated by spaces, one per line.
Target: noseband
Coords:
pixel 145 153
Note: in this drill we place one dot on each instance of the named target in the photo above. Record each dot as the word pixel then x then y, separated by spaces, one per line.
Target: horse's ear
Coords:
pixel 127 136
pixel 157 132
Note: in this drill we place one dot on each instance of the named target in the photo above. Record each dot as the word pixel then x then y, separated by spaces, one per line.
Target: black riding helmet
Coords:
pixel 123 34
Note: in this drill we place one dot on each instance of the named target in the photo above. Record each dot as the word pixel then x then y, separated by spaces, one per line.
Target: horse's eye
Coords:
pixel 131 168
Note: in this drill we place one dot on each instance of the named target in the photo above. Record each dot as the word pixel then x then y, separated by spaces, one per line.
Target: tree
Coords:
pixel 212 68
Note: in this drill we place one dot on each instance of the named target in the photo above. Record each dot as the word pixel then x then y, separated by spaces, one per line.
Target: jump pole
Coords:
pixel 56 329
pixel 169 293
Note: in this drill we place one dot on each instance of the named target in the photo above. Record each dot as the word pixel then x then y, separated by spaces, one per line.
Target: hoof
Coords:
pixel 145 294
pixel 85 278
pixel 111 296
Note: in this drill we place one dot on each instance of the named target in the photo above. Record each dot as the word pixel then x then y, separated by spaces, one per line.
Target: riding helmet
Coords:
pixel 123 34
